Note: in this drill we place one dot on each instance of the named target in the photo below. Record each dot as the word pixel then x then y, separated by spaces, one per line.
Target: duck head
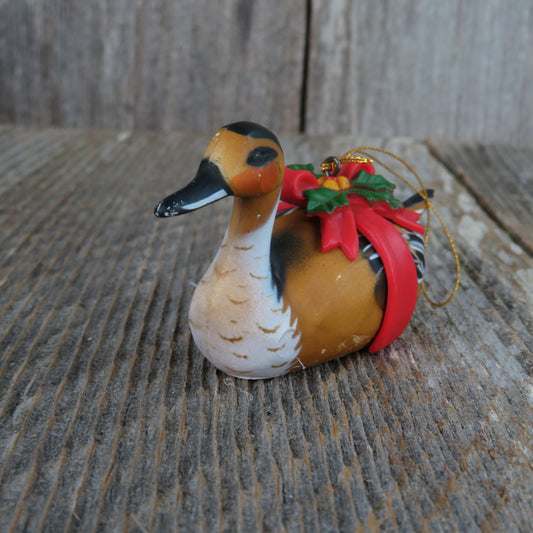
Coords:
pixel 243 159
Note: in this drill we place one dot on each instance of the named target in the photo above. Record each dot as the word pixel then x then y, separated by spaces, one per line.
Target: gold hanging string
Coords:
pixel 367 158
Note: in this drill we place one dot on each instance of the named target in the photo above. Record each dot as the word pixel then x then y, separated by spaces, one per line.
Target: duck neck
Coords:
pixel 252 217
pixel 250 229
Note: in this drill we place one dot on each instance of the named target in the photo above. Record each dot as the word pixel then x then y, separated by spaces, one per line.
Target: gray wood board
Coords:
pixel 460 70
pixel 151 64
pixel 111 419
pixel 501 179
pixel 448 69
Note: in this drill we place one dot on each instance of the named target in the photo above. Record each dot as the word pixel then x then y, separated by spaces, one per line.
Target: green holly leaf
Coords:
pixel 374 187
pixel 373 181
pixel 309 167
pixel 324 199
pixel 374 196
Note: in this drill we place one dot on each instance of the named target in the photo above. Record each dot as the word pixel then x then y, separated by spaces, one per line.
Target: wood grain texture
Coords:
pixel 110 419
pixel 501 179
pixel 451 69
pixel 460 70
pixel 156 64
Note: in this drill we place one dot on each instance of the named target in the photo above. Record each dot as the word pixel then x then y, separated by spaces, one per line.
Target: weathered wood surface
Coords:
pixel 500 177
pixel 156 64
pixel 111 420
pixel 461 70
pixel 448 69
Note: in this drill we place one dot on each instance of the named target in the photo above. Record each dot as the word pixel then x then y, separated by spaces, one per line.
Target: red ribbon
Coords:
pixel 376 221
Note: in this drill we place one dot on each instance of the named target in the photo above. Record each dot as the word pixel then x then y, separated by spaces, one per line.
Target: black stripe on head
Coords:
pixel 251 129
pixel 261 156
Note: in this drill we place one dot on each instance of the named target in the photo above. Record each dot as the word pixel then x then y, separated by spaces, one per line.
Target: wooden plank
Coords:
pixel 158 64
pixel 408 69
pixel 111 419
pixel 419 69
pixel 501 179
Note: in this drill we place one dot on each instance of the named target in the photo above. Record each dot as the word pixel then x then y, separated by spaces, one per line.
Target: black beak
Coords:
pixel 207 187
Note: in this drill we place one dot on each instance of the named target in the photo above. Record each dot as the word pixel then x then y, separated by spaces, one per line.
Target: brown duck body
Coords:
pixel 339 303
pixel 272 301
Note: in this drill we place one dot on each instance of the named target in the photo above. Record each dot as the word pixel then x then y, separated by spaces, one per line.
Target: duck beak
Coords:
pixel 207 187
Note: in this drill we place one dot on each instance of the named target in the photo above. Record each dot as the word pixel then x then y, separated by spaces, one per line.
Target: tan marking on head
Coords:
pixel 229 151
pixel 278 366
pixel 240 356
pixel 243 247
pixel 255 181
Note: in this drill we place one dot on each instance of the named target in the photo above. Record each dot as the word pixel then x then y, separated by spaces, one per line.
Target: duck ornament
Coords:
pixel 332 268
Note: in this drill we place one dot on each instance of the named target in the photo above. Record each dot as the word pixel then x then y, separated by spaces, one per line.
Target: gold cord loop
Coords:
pixel 364 157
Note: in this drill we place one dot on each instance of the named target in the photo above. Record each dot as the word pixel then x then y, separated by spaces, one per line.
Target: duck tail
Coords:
pixel 417 246
pixel 417 202
pixel 415 241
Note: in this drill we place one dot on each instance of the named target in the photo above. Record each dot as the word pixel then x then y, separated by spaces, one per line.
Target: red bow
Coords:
pixel 376 222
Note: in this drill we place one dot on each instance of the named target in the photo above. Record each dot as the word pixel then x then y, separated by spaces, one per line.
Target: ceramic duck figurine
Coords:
pixel 271 301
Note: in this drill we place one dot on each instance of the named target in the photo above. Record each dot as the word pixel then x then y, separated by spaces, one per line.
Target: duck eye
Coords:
pixel 259 157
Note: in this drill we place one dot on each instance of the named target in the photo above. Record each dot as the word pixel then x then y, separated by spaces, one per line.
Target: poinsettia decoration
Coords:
pixel 340 200
pixel 357 200
pixel 333 192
